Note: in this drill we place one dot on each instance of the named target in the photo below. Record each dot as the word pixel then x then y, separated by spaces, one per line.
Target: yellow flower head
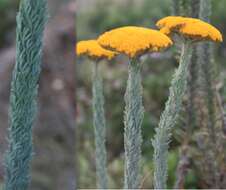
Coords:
pixel 92 49
pixel 134 41
pixel 189 27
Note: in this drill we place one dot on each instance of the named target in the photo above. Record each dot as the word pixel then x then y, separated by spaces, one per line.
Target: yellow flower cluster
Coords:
pixel 134 41
pixel 92 49
pixel 190 27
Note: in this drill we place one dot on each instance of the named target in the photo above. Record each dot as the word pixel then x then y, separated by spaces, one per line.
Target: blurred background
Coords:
pixel 53 165
pixel 95 17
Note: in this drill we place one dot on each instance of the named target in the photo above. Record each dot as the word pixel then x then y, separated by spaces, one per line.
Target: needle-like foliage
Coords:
pixel 24 88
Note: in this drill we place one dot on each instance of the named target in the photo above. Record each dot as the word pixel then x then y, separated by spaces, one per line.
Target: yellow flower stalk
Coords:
pixel 189 30
pixel 133 41
pixel 95 52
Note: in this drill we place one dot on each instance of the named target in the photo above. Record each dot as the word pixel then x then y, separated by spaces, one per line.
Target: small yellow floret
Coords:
pixel 190 27
pixel 92 49
pixel 134 41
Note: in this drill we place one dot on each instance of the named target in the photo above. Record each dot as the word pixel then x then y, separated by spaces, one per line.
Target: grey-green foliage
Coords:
pixel 193 77
pixel 169 118
pixel 133 117
pixel 205 60
pixel 183 8
pixel 99 127
pixel 31 20
pixel 206 80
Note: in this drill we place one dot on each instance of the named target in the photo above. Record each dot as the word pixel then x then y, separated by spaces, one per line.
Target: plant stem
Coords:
pixel 134 113
pixel 190 109
pixel 24 88
pixel 169 117
pixel 207 73
pixel 99 128
pixel 207 79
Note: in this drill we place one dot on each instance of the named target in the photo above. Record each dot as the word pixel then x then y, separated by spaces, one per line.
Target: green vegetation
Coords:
pixel 24 89
pixel 156 76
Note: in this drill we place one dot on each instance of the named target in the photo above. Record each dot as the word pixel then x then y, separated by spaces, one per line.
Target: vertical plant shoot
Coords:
pixel 193 70
pixel 169 117
pixel 133 42
pixel 99 124
pixel 191 106
pixel 207 80
pixel 205 59
pixel 134 113
pixel 95 52
pixel 189 30
pixel 31 20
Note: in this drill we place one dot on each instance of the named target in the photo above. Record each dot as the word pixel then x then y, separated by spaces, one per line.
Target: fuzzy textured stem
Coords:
pixel 133 117
pixel 24 88
pixel 169 117
pixel 99 128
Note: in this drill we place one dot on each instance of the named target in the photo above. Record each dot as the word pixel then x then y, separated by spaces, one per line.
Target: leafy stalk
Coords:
pixel 99 128
pixel 24 88
pixel 133 117
pixel 169 117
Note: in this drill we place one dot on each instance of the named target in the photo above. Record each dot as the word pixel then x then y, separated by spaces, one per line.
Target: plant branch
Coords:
pixel 24 89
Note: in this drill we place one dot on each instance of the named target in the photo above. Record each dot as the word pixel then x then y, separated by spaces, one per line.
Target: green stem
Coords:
pixel 24 88
pixel 169 117
pixel 133 118
pixel 99 128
